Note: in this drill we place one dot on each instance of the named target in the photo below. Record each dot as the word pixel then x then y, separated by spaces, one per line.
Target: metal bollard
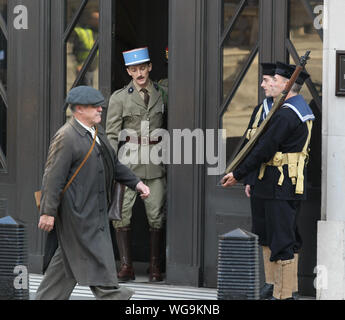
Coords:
pixel 14 283
pixel 238 266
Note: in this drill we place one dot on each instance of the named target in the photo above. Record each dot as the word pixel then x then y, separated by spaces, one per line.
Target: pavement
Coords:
pixel 143 290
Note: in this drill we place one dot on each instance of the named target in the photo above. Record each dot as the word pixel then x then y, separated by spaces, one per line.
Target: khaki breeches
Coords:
pixel 154 204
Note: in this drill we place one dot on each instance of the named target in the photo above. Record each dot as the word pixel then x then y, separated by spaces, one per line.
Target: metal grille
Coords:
pixel 238 266
pixel 13 255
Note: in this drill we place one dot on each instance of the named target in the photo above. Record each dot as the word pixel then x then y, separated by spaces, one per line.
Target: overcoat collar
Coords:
pixel 80 129
pixel 83 131
pixel 101 135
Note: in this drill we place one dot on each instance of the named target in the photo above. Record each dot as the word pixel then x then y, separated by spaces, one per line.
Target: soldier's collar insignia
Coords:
pixel 130 90
pixel 156 86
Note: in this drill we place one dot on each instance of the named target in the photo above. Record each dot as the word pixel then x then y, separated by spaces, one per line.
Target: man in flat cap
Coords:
pixel 140 108
pixel 280 155
pixel 79 215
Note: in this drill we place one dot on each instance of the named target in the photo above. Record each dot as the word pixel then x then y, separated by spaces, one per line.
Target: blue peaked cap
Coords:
pixel 136 56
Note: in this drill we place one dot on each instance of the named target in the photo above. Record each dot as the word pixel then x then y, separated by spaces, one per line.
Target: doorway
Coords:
pixel 140 23
pixel 104 29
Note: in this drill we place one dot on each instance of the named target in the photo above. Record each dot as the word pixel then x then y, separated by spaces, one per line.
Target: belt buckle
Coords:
pixel 144 141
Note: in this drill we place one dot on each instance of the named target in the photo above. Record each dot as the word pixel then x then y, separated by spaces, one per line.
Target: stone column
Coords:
pixel 330 279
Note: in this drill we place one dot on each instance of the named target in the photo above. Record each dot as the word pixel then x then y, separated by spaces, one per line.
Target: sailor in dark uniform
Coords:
pixel 258 217
pixel 280 155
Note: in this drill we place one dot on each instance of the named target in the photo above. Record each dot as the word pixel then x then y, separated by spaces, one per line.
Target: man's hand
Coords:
pixel 46 223
pixel 228 180
pixel 143 189
pixel 247 190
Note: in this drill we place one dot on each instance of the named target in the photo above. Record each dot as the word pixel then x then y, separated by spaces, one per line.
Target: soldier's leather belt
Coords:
pixel 144 141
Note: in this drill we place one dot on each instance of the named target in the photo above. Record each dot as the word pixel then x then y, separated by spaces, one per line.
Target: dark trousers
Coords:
pixel 275 222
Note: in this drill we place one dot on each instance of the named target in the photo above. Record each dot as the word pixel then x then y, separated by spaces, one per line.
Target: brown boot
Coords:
pixel 123 238
pixel 155 244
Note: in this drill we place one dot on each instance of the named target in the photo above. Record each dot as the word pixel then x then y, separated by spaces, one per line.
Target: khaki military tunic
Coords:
pixel 127 111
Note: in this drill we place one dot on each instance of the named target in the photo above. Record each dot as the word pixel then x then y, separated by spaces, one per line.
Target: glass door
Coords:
pixel 81 33
pixel 3 87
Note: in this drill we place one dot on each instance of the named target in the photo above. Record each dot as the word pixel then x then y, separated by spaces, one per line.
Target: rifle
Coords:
pixel 279 101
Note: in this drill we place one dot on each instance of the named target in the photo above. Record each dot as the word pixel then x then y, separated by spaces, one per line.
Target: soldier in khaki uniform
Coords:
pixel 139 108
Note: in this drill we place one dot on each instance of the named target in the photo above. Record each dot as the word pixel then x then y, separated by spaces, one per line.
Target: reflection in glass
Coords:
pixel 305 30
pixel 71 9
pixel 304 36
pixel 80 44
pixel 3 127
pixel 236 118
pixel 3 60
pixel 3 80
pixel 3 9
pixel 238 45
pixel 229 9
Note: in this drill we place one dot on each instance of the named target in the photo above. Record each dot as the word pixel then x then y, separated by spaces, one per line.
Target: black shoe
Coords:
pixel 273 298
pixel 295 295
pixel 266 291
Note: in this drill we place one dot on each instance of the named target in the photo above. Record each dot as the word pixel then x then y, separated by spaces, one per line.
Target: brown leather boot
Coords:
pixel 123 238
pixel 155 255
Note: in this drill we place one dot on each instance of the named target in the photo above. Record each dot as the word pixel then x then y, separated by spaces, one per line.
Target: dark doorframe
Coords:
pixel 59 34
pixel 186 110
pixel 28 101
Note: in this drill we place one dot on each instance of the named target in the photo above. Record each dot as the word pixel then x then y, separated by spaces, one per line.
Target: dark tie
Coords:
pixel 146 96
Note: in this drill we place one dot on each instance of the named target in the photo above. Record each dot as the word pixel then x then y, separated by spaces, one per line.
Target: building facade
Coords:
pixel 215 47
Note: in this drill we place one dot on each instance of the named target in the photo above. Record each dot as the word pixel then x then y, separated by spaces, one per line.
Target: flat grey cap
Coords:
pixel 84 95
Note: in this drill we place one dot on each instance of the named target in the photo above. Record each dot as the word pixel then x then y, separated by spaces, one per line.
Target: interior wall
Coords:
pixel 140 23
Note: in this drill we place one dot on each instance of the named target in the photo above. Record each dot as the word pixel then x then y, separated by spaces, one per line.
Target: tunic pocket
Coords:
pixel 132 119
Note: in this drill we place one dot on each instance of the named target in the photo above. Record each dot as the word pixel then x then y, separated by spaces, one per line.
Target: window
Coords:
pixel 240 69
pixel 3 84
pixel 81 37
pixel 306 33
